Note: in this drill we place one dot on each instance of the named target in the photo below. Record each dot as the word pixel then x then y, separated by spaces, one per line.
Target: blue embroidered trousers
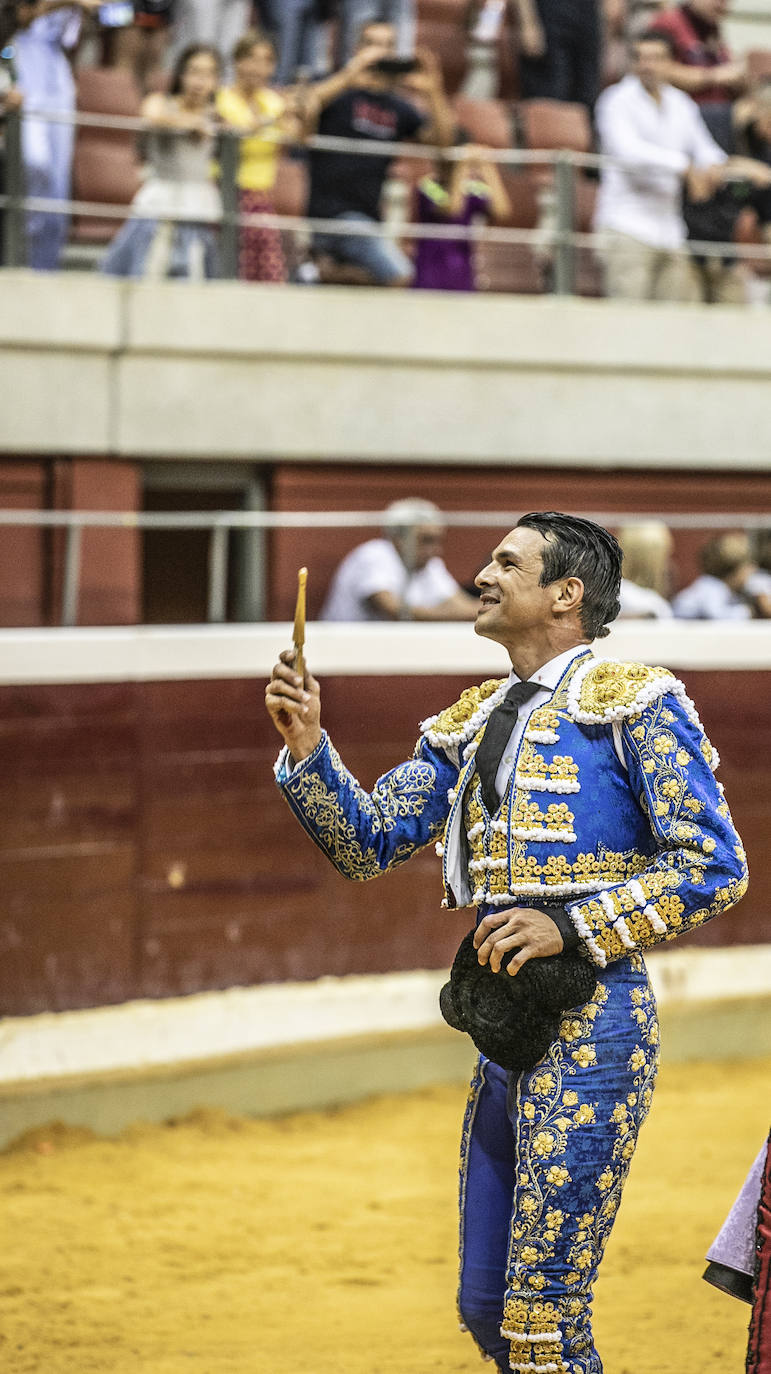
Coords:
pixel 544 1158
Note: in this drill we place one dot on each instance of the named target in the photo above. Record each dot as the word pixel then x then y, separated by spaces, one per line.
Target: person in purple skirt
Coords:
pixel 464 190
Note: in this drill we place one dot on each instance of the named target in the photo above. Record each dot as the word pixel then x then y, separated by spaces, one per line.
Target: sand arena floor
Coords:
pixel 325 1243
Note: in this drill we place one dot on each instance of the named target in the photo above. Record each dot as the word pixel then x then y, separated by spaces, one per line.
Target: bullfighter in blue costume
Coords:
pixel 599 828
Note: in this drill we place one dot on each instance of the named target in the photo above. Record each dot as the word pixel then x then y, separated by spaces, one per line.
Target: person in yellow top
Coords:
pixel 250 105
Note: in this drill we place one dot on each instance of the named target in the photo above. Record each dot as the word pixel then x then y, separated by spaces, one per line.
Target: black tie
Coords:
pixel 496 737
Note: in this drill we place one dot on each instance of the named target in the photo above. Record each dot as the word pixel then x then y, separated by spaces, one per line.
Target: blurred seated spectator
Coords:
pixel 141 46
pixel 153 242
pixel 464 190
pixel 298 28
pixel 263 116
pixel 701 63
pixel 361 102
pixel 659 134
pixel 739 130
pixel 401 576
pixel 731 587
pixel 357 15
pixel 47 33
pixel 645 585
pixel 209 24
pixel 560 49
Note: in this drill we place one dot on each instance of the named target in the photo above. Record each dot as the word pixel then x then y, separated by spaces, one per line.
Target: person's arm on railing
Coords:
pixel 161 113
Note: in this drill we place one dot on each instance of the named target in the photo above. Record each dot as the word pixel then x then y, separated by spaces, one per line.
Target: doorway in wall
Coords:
pixel 177 563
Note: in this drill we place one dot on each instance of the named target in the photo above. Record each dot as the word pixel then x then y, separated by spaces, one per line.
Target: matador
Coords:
pixel 598 826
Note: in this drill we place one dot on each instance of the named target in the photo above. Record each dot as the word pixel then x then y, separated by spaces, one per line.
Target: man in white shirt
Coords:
pixel 659 135
pixel 401 576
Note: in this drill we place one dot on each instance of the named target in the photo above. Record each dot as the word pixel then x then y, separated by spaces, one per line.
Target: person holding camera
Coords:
pixel 362 102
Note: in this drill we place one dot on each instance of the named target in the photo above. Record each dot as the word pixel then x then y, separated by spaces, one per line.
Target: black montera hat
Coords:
pixel 513 1020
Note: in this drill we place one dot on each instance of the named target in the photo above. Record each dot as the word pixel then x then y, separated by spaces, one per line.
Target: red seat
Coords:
pixel 486 121
pixel 106 167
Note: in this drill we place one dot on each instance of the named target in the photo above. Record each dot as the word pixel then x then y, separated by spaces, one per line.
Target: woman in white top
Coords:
pixel 182 125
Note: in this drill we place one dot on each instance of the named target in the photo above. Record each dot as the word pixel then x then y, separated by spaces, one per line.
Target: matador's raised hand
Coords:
pixel 294 706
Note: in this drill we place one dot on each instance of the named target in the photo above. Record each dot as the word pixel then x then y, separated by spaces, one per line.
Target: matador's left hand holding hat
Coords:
pixel 513 1020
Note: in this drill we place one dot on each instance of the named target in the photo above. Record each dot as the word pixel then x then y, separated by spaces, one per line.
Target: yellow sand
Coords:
pixel 325 1243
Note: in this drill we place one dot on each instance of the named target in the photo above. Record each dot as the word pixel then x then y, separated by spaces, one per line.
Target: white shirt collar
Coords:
pixel 549 675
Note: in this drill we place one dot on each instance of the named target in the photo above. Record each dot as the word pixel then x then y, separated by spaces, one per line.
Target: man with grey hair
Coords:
pixel 401 576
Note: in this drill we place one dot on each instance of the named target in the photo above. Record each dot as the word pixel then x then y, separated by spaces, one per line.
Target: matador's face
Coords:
pixel 513 602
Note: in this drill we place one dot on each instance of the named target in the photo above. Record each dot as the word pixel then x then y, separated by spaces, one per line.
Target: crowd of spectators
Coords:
pixel 691 134
pixel 403 576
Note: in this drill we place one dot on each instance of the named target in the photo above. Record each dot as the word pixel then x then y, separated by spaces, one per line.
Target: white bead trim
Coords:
pixel 465 732
pixel 622 929
pixel 479 865
pixel 439 848
pixel 542 736
pixel 636 892
pixel 475 830
pixel 522 832
pixel 533 1337
pixel 531 1368
pixel 547 890
pixel 547 784
pixel 585 934
pixel 608 906
pixel 665 684
pixel 659 926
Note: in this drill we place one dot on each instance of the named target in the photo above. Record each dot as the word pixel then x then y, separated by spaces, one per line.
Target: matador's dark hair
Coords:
pixel 576 547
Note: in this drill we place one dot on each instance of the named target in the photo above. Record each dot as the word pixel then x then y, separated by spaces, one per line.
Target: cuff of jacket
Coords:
pixel 570 937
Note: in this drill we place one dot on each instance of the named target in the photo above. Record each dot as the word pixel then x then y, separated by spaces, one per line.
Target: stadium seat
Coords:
pixel 514 267
pixel 446 38
pixel 106 166
pixel 485 121
pixel 555 124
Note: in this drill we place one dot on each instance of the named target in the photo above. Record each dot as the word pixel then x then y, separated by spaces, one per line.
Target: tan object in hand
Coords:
pixel 298 634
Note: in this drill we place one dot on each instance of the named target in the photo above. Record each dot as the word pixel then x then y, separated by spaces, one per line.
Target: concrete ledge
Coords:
pixel 224 370
pixel 147 653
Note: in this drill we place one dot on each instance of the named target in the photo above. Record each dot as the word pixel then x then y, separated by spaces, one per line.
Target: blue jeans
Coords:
pixel 380 257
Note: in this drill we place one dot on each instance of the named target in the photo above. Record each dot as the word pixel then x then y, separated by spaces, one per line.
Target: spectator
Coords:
pixel 659 131
pixel 361 102
pixel 645 586
pixel 731 587
pixel 401 576
pixel 180 149
pixel 140 47
pixel 298 29
pixel 738 129
pixel 463 191
pixel 358 15
pixel 250 106
pixel 209 24
pixel 700 62
pixel 47 32
pixel 560 49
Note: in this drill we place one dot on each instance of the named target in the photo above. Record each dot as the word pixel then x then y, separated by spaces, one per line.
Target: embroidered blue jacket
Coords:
pixel 612 809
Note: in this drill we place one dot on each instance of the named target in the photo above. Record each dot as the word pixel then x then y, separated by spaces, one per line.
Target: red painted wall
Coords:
pixel 144 850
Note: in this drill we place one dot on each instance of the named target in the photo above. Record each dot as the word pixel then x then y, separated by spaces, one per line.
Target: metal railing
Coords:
pixel 221 523
pixel 555 238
